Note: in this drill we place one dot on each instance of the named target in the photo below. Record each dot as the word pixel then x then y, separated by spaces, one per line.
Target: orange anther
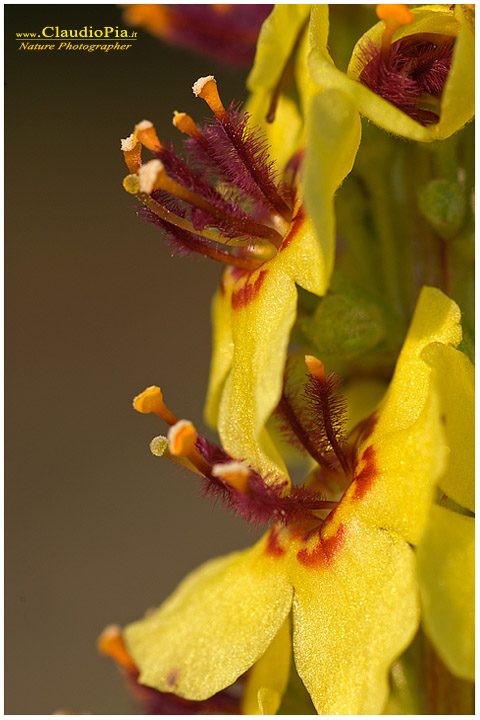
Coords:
pixel 234 474
pixel 147 135
pixel 110 643
pixel 185 124
pixel 151 400
pixel 394 17
pixel 315 366
pixel 132 152
pixel 149 174
pixel 400 13
pixel 181 438
pixel 206 88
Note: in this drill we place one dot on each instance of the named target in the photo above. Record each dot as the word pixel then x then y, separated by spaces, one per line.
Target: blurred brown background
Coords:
pixel 97 529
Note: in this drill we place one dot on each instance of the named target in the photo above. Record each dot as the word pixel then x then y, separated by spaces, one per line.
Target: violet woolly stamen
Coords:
pixel 417 66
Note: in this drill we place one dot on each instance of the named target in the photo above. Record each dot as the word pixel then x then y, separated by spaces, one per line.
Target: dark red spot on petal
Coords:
pixel 324 551
pixel 172 678
pixel 273 546
pixel 363 479
pixel 248 291
pixel 297 223
pixel 154 702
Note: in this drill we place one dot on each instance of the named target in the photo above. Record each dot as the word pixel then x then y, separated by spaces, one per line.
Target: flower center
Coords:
pixel 226 202
pixel 410 73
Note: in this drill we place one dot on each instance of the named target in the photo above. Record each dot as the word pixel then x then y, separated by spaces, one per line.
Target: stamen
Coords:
pixel 132 152
pixel 185 124
pixel 131 184
pixel 181 438
pixel 159 448
pixel 206 88
pixel 234 474
pixel 260 253
pixel 151 400
pixel 148 174
pixel 304 438
pixel 181 443
pixel 147 135
pixel 153 176
pixel 394 17
pixel 159 445
pixel 110 643
pixel 317 369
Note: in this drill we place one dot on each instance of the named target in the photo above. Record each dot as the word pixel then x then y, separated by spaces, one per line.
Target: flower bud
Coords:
pixel 345 325
pixel 443 204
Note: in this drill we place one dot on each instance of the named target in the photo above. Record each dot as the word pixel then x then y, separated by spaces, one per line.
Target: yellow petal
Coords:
pixel 396 475
pixel 284 136
pixel 354 612
pixel 222 350
pixel 404 456
pixel 362 398
pixel 446 567
pixel 263 310
pixel 267 680
pixel 334 133
pixel 436 319
pixel 453 375
pixel 285 22
pixel 218 622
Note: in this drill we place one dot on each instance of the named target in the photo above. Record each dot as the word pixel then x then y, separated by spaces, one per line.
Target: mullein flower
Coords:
pixel 412 73
pixel 226 32
pixel 339 555
pixel 229 204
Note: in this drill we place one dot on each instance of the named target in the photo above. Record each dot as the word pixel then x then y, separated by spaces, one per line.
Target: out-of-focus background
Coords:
pixel 97 529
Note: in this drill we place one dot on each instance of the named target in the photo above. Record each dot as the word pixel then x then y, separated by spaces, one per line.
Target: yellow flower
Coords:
pixel 388 81
pixel 347 579
pixel 269 248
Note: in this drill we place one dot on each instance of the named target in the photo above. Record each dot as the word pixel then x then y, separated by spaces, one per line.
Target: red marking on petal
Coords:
pixel 363 479
pixel 172 678
pixel 248 292
pixel 273 546
pixel 154 702
pixel 325 550
pixel 295 226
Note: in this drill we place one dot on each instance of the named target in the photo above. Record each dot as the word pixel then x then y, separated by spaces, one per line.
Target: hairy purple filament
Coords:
pixel 225 154
pixel 315 422
pixel 263 502
pixel 413 76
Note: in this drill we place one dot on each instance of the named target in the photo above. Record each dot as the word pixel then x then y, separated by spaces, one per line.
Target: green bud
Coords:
pixel 443 204
pixel 345 325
